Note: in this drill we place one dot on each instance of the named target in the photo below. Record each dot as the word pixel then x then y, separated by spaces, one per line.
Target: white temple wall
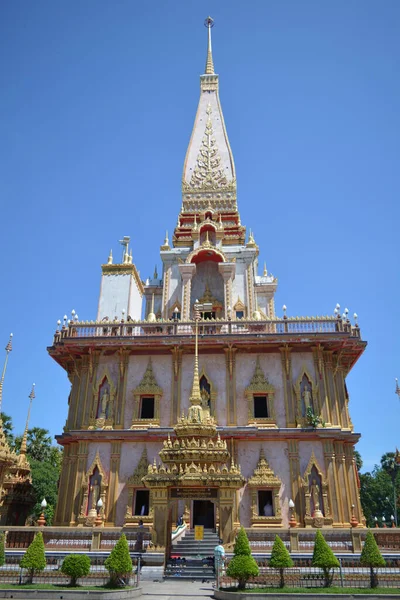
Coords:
pixel 302 361
pixel 162 369
pixel 118 293
pixel 239 284
pixel 272 368
pixel 305 451
pixel 175 287
pixel 207 274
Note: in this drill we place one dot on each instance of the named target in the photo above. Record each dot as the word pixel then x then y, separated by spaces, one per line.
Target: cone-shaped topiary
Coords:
pixel 2 553
pixel 119 563
pixel 242 546
pixel 371 557
pixel 242 566
pixel 280 558
pixel 75 566
pixel 34 559
pixel 324 558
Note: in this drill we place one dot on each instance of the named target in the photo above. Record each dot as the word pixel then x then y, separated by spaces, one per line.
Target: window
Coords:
pixel 147 407
pixel 265 503
pixel 209 315
pixel 260 407
pixel 142 502
pixel 240 314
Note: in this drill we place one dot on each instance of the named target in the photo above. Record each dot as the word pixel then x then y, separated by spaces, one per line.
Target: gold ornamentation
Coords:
pixel 259 384
pixel 263 475
pixel 208 173
pixel 147 387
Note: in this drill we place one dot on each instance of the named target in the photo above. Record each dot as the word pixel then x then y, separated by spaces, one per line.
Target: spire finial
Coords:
pixel 24 447
pixel 209 23
pixel 8 350
pixel 195 396
pixel 265 270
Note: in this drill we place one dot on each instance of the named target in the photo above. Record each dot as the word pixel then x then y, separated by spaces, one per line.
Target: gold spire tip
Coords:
pixel 209 23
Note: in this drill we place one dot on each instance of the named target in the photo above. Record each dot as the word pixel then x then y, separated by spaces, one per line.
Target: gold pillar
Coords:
pixel 341 394
pixel 85 398
pixel 160 519
pixel 230 378
pixel 331 389
pixel 354 491
pixel 119 411
pixel 226 513
pixel 113 483
pixel 176 384
pixel 343 490
pixel 331 475
pixel 63 485
pixel 323 401
pixel 75 505
pixel 295 478
pixel 290 400
pixel 250 290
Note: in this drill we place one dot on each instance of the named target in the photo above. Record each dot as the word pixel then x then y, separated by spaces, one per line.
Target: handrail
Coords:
pixel 276 326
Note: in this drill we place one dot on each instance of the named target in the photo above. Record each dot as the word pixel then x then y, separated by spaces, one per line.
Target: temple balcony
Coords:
pixel 301 333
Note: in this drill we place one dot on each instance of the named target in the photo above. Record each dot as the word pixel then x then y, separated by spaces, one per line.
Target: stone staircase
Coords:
pixel 192 559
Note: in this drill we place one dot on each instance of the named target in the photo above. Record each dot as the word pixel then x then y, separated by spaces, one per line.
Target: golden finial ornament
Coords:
pixel 195 396
pixel 155 274
pixel 209 23
pixel 24 445
pixel 110 258
pixel 151 317
pixel 165 245
pixel 8 350
pixel 265 270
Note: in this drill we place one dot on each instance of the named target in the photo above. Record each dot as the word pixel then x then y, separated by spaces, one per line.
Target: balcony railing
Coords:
pixel 162 328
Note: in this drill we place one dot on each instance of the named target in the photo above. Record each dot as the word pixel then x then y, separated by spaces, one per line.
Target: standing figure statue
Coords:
pixel 205 397
pixel 314 492
pixel 104 404
pixel 95 490
pixel 307 397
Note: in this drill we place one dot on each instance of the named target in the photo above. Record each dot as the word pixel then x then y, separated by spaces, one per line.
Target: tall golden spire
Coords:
pixel 195 396
pixel 8 350
pixel 209 22
pixel 24 448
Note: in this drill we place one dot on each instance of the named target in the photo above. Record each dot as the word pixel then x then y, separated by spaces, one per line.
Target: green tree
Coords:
pixel 280 559
pixel 2 552
pixel 242 566
pixel 39 446
pixel 358 459
pixel 119 563
pixel 324 558
pixel 34 559
pixel 371 557
pixel 75 566
pixel 8 429
pixel 44 483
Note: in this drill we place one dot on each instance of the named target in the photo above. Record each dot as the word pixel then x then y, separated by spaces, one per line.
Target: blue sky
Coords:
pixel 97 105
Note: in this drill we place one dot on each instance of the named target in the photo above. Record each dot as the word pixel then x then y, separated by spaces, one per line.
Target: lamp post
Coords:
pixel 41 520
pixel 292 518
pixel 99 519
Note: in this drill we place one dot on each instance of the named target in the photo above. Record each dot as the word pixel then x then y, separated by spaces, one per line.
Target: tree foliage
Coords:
pixel 242 566
pixel 2 552
pixel 34 559
pixel 371 557
pixel 324 558
pixel 119 563
pixel 280 558
pixel 75 566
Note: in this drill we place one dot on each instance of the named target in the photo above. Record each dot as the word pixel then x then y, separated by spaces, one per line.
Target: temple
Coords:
pixel 190 397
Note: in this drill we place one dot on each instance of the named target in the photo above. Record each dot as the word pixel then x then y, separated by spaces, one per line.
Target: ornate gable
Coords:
pixel 263 475
pixel 140 471
pixel 148 385
pixel 259 383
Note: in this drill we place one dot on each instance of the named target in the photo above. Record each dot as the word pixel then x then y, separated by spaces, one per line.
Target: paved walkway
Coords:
pixel 176 590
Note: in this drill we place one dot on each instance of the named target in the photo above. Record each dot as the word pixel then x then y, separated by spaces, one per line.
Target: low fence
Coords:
pixel 11 573
pixel 302 576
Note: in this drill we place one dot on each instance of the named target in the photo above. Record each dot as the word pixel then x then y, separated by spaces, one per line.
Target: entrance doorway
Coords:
pixel 203 514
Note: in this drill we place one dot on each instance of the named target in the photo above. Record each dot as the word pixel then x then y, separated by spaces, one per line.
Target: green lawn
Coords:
pixel 331 590
pixel 50 586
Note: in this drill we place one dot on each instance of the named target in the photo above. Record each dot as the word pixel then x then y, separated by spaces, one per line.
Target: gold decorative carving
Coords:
pixel 300 419
pixel 99 422
pixel 87 517
pixel 147 387
pixel 259 384
pixel 264 478
pixel 322 516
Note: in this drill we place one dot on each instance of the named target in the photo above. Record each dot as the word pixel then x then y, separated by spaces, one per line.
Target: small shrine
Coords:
pixel 195 464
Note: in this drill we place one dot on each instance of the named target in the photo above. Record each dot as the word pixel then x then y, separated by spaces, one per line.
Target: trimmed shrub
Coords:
pixel 371 557
pixel 119 563
pixel 242 566
pixel 34 559
pixel 2 553
pixel 324 558
pixel 75 566
pixel 280 559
